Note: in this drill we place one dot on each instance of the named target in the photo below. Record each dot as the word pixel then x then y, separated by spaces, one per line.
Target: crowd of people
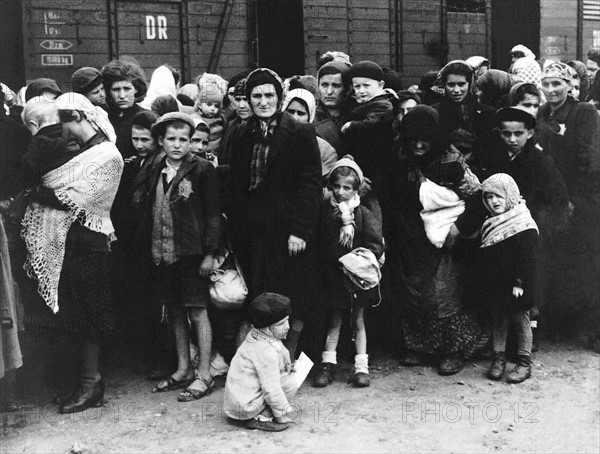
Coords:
pixel 464 207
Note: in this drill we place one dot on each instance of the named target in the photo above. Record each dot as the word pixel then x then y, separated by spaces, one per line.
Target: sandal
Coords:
pixel 191 394
pixel 171 384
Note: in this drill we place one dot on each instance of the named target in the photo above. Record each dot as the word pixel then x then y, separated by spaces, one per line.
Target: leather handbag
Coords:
pixel 228 289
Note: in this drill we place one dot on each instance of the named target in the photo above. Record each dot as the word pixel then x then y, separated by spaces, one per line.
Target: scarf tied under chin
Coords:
pixel 345 212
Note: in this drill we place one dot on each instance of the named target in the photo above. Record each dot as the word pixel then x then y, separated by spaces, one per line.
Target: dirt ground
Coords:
pixel 404 410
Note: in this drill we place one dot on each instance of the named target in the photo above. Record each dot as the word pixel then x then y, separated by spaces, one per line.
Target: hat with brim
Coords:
pixel 159 128
pixel 516 114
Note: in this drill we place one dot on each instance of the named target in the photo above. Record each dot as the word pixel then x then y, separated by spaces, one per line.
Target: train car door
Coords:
pixel 151 32
pixel 514 22
pixel 280 34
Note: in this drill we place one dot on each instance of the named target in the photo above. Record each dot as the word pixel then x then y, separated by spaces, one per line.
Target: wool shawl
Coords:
pixel 86 186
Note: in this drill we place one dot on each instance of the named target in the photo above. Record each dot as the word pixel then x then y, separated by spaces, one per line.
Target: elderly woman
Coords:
pixel 464 122
pixel 426 200
pixel 67 234
pixel 570 132
pixel 275 194
pixel 125 85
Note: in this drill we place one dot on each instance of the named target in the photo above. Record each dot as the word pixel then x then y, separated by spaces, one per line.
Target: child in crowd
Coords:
pixel 369 135
pixel 199 142
pixel 345 225
pixel 527 96
pixel 506 269
pixel 185 213
pixel 211 90
pixel 260 380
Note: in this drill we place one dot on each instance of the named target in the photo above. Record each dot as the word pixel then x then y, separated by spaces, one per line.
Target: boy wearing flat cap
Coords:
pixel 185 214
pixel 260 380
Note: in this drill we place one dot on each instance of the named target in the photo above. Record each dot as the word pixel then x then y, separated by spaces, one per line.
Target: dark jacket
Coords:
pixel 502 266
pixel 539 180
pixel 196 214
pixel 370 138
pixel 14 140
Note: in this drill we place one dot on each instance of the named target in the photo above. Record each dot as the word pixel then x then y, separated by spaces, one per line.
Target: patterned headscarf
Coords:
pixel 559 70
pixel 505 186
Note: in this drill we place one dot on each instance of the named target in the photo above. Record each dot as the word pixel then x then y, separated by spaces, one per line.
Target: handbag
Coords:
pixel 228 289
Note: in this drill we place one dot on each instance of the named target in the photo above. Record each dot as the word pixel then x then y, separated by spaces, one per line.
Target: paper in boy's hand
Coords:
pixel 302 367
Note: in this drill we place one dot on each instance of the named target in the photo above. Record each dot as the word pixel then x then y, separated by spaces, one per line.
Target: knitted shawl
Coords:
pixel 87 186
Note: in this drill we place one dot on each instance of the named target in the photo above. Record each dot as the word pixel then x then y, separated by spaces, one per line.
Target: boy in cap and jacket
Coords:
pixel 260 379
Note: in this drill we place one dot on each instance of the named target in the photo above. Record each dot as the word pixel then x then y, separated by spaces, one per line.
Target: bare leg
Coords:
pixel 201 323
pixel 333 334
pixel 293 338
pixel 182 344
pixel 361 332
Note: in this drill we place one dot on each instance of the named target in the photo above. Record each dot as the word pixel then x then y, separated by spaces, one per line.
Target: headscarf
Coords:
pixel 584 80
pixel 306 97
pixel 527 53
pixel 421 122
pixel 526 68
pixel 477 62
pixel 495 85
pixel 190 90
pixel 162 83
pixel 517 217
pixel 96 115
pixel 262 76
pixel 512 94
pixel 558 70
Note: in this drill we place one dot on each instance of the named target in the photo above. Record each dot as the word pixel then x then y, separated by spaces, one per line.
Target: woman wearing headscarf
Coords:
pixel 494 86
pixel 525 66
pixel 426 200
pixel 582 75
pixel 125 85
pixel 570 132
pixel 464 121
pixel 301 105
pixel 276 188
pixel 67 236
pixel 162 83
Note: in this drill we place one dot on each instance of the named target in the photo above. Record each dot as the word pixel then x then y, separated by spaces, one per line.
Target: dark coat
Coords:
pixel 572 137
pixel 502 266
pixel 14 140
pixel 370 138
pixel 196 215
pixel 367 234
pixel 286 203
pixel 539 180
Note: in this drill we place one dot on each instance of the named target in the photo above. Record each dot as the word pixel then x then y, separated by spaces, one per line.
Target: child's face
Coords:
pixel 514 135
pixel 575 88
pixel 176 142
pixel 343 188
pixel 97 95
pixel 280 329
pixel 142 140
pixel 366 89
pixel 198 142
pixel 210 109
pixel 457 87
pixel 496 204
pixel 531 104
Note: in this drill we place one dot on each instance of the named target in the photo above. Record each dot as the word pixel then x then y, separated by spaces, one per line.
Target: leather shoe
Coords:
pixel 324 375
pixel 83 399
pixel 497 367
pixel 269 426
pixel 521 372
pixel 451 365
pixel 361 380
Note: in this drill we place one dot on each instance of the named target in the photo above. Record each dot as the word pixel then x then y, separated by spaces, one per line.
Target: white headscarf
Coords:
pixel 305 96
pixel 96 115
pixel 162 83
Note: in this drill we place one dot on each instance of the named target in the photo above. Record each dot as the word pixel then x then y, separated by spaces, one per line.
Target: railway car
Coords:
pixel 53 38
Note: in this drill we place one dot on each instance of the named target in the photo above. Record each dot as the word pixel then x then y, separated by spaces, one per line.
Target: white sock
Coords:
pixel 361 364
pixel 329 357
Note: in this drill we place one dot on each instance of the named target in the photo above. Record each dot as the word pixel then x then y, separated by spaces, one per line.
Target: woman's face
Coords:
pixel 575 88
pixel 298 110
pixel 123 94
pixel 242 108
pixel 263 100
pixel 419 147
pixel 457 87
pixel 555 89
pixel 97 95
pixel 331 90
pixel 405 107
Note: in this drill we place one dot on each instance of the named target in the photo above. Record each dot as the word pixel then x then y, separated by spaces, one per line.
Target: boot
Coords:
pixel 497 367
pixel 84 398
pixel 361 371
pixel 522 370
pixel 451 364
pixel 324 375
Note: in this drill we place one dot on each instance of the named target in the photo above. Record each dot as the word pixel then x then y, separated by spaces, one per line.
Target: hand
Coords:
pixel 206 266
pixel 129 159
pixel 345 127
pixel 295 245
pixel 452 236
pixel 517 292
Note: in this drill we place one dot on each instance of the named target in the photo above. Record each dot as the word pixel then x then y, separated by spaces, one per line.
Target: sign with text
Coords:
pixel 57 59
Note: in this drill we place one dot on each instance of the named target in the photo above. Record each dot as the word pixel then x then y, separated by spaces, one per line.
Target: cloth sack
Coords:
pixel 441 208
pixel 362 268
pixel 228 289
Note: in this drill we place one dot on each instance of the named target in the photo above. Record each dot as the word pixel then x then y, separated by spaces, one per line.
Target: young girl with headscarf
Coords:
pixel 505 272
